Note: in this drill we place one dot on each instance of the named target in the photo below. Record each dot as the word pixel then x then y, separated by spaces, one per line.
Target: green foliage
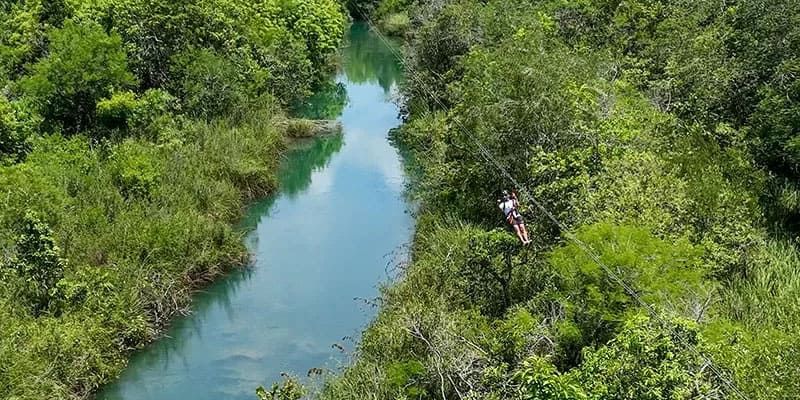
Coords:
pixel 36 266
pixel 170 121
pixel 84 65
pixel 114 113
pixel 211 85
pixel 663 273
pixel 214 56
pixel 662 135
pixel 768 297
pixel 319 23
pixel 396 23
pixel 134 170
pixel 288 390
pixel 17 125
pixel 488 270
pixel 285 43
pixel 19 37
pixel 647 361
pixel 539 380
pixel 757 358
pixel 776 120
pixel 149 116
pixel 401 378
pixel 141 224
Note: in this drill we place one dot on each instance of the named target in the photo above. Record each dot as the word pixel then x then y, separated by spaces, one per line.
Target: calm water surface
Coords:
pixel 319 246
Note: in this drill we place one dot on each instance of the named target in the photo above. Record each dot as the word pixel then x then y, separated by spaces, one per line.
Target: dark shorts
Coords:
pixel 515 219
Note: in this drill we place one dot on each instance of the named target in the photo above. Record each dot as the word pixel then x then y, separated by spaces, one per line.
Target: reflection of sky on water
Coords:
pixel 316 247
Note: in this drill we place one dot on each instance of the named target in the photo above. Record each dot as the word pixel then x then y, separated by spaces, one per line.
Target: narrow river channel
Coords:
pixel 320 246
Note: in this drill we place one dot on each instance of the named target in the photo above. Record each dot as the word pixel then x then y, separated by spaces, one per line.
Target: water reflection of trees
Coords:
pixel 368 59
pixel 327 102
pixel 295 175
pixel 304 160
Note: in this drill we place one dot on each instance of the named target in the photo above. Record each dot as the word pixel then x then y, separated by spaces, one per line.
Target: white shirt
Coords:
pixel 507 206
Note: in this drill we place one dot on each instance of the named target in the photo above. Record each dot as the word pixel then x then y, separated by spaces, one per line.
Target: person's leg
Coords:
pixel 524 233
pixel 519 233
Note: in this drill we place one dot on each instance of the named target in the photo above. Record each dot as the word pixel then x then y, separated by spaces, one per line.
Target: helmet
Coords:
pixel 506 195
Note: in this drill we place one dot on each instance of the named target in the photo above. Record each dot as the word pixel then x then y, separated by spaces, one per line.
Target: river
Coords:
pixel 320 248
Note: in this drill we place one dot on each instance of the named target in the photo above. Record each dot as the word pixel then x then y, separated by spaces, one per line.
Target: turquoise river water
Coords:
pixel 320 249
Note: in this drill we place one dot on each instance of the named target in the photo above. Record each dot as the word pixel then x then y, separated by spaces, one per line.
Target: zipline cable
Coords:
pixel 588 250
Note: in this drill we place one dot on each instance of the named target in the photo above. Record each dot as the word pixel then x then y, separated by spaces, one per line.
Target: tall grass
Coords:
pixel 141 225
pixel 768 296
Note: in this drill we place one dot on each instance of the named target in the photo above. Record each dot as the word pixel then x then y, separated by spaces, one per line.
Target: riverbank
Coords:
pixel 135 233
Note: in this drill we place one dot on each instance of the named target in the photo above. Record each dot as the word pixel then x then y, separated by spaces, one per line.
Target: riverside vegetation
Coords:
pixel 131 134
pixel 663 134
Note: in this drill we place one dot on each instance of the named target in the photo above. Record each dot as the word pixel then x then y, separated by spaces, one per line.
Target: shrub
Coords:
pixel 666 275
pixel 648 361
pixel 83 66
pixel 539 380
pixel 135 169
pixel 113 113
pixel 17 125
pixel 37 266
pixel 148 116
pixel 211 85
pixel 396 23
pixel 141 224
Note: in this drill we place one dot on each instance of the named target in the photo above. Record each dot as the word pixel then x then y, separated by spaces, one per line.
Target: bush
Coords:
pixel 150 116
pixel 210 85
pixel 539 380
pixel 668 276
pixel 648 361
pixel 135 171
pixel 83 66
pixel 114 113
pixel 37 266
pixel 17 125
pixel 396 23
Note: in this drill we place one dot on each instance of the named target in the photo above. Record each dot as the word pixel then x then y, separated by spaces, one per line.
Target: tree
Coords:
pixel 539 380
pixel 667 275
pixel 84 65
pixel 211 85
pixel 647 361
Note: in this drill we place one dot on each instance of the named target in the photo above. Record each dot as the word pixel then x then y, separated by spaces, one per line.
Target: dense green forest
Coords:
pixel 664 135
pixel 131 134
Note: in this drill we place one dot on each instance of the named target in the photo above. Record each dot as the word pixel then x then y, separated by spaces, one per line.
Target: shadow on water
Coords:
pixel 305 159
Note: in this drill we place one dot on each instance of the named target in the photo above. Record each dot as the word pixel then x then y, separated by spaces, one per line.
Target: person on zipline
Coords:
pixel 510 207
